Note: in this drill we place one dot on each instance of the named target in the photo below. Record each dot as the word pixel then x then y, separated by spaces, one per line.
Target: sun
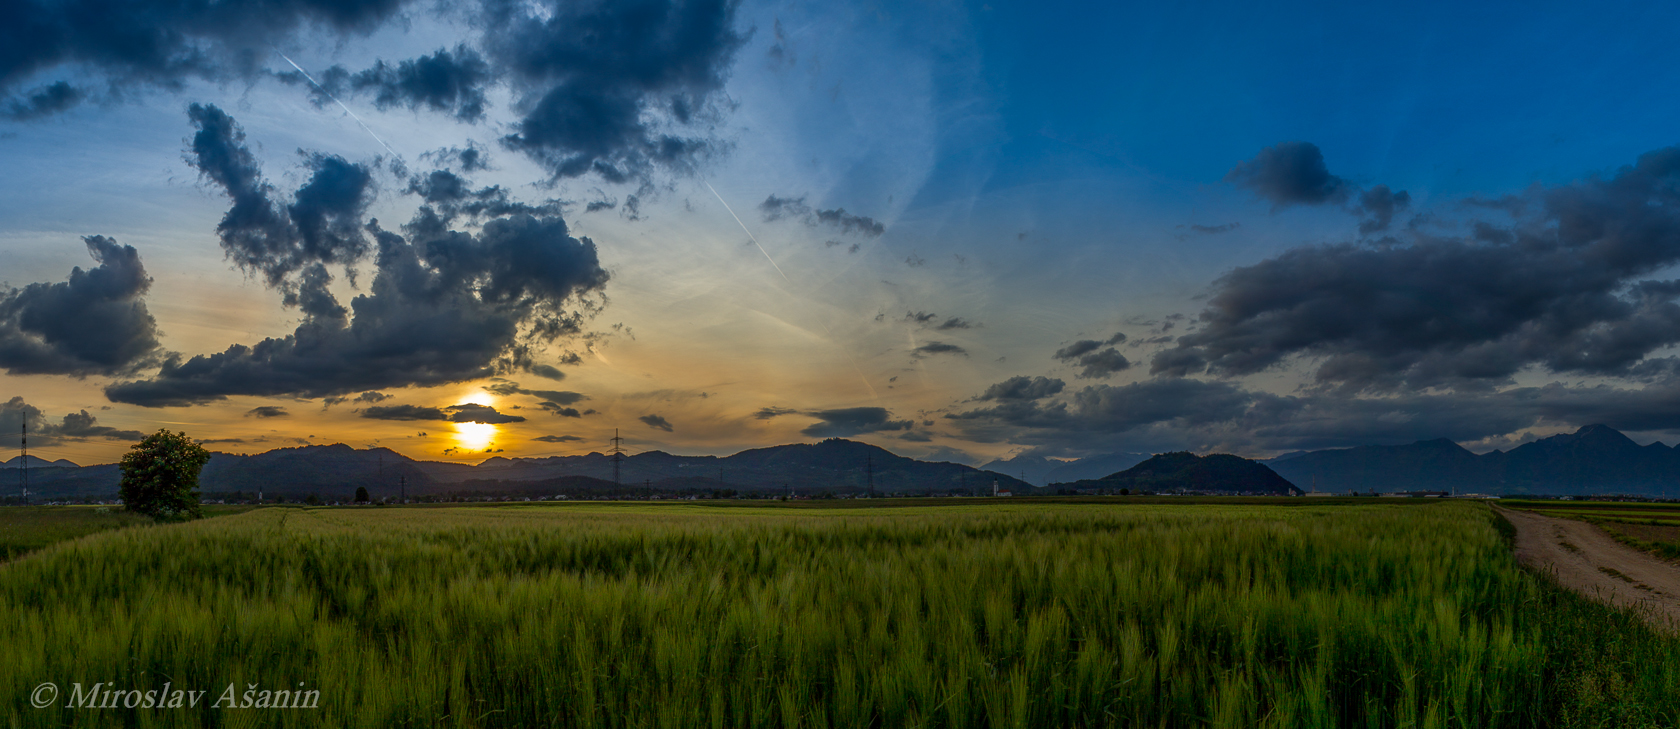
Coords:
pixel 474 436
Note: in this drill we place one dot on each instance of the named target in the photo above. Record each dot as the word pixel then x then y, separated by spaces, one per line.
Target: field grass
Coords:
pixel 24 529
pixel 982 615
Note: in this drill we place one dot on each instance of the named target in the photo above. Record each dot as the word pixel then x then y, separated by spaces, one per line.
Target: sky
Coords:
pixel 960 231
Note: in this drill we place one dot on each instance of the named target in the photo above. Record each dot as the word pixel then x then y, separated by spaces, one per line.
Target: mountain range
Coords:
pixel 1596 459
pixel 335 471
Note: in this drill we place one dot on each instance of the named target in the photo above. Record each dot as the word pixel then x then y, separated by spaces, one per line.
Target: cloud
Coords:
pixel 558 439
pixel 1563 287
pixel 614 89
pixel 847 422
pixel 1380 204
pixel 267 411
pixel 463 413
pixel 1094 360
pixel 772 412
pixel 444 306
pixel 1023 388
pixel 1289 173
pixel 1215 229
pixel 44 101
pixel 78 426
pixel 655 421
pixel 403 412
pixel 95 323
pixel 777 208
pixel 449 82
pixel 933 348
pixel 474 413
pixel 506 388
pixel 931 321
pixel 261 234
pixel 152 44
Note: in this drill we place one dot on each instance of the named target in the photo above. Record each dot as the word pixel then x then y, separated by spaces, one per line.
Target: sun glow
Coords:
pixel 474 436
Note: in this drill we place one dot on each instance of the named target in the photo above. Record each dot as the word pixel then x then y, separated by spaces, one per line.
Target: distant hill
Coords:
pixel 38 462
pixel 1040 471
pixel 335 471
pixel 1185 472
pixel 1595 459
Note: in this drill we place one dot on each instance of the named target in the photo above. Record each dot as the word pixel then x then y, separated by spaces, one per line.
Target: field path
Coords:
pixel 1588 561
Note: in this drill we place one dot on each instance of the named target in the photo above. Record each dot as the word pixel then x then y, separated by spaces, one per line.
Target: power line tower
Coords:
pixel 617 454
pixel 23 464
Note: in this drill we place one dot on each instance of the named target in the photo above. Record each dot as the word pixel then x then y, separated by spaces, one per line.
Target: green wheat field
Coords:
pixel 980 615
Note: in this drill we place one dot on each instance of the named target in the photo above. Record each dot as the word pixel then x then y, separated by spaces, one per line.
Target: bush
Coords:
pixel 160 476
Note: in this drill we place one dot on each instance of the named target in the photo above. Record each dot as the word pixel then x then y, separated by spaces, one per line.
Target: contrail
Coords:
pixel 744 227
pixel 346 109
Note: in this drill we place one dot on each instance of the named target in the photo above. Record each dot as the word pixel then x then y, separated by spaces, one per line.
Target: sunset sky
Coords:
pixel 959 231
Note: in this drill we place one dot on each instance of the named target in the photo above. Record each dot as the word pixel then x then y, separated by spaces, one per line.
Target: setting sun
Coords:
pixel 474 436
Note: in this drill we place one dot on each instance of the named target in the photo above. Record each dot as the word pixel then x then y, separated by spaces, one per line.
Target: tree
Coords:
pixel 361 495
pixel 160 476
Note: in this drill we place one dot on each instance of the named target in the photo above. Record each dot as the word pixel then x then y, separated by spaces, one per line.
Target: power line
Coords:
pixel 617 455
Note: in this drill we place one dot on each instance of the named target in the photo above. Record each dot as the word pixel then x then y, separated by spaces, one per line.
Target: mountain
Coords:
pixel 1041 471
pixel 1185 472
pixel 335 471
pixel 1427 465
pixel 38 462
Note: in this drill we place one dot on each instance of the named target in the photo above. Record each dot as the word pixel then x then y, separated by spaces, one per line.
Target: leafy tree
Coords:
pixel 160 476
pixel 361 495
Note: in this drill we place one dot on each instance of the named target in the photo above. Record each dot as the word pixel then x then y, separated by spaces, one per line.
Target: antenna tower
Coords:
pixel 617 454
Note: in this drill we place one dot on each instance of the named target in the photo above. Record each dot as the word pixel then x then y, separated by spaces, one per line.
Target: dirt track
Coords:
pixel 1588 561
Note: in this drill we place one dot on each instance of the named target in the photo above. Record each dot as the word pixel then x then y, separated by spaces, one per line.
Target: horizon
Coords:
pixel 960 231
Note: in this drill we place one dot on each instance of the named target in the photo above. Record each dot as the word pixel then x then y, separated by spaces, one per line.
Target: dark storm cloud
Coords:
pixel 1023 388
pixel 14 413
pixel 1561 287
pixel 847 422
pixel 94 323
pixel 776 208
pixel 267 411
pixel 132 44
pixel 655 421
pixel 44 101
pixel 449 82
pixel 444 305
pixel 933 348
pixel 558 439
pixel 1290 173
pixel 611 88
pixel 322 224
pixel 449 196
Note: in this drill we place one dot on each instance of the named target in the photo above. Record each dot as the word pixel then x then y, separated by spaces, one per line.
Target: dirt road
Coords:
pixel 1588 561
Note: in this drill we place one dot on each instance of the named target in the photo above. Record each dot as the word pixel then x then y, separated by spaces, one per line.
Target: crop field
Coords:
pixel 977 615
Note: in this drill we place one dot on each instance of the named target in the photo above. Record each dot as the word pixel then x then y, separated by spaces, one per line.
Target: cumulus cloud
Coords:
pixel 656 421
pixel 267 411
pixel 1563 286
pixel 444 305
pixel 95 323
pixel 777 208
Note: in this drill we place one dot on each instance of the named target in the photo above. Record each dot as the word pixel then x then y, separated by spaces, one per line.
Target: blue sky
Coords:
pixel 939 218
